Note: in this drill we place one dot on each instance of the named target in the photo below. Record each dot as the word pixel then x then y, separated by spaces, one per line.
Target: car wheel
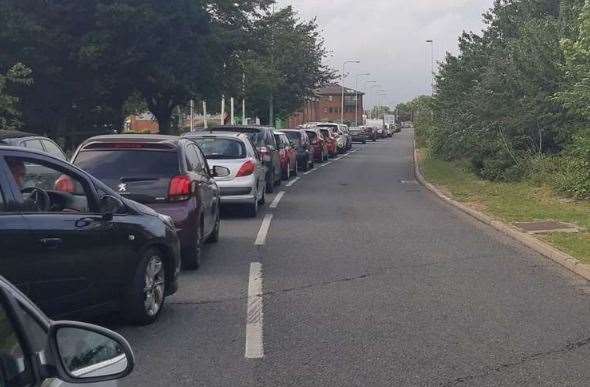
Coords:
pixel 270 183
pixel 214 237
pixel 145 299
pixel 296 168
pixel 252 210
pixel 262 198
pixel 191 256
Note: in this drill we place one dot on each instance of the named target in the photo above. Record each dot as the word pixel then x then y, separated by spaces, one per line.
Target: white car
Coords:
pixel 245 185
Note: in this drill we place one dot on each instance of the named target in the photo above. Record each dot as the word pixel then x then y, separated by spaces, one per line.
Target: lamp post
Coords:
pixel 342 105
pixel 356 98
pixel 431 42
pixel 374 85
pixel 381 94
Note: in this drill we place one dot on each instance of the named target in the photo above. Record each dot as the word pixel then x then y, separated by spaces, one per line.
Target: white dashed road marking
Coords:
pixel 263 232
pixel 295 180
pixel 275 203
pixel 310 171
pixel 254 343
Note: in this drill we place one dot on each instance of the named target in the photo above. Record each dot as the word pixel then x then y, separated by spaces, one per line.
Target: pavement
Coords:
pixel 362 277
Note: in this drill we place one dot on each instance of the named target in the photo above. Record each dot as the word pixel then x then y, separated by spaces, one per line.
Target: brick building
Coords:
pixel 326 104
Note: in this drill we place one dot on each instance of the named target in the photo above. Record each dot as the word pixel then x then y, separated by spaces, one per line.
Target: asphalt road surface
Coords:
pixel 365 278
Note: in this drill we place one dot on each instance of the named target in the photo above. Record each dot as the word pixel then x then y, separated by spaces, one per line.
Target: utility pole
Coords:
pixel 244 99
pixel 232 111
pixel 356 97
pixel 342 86
pixel 205 124
pixel 192 115
pixel 271 102
pixel 223 110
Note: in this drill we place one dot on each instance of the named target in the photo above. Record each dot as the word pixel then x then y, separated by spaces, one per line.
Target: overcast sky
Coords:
pixel 388 37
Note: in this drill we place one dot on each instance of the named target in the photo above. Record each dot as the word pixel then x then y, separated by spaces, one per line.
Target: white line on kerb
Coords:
pixel 328 163
pixel 261 238
pixel 295 180
pixel 310 171
pixel 275 203
pixel 254 345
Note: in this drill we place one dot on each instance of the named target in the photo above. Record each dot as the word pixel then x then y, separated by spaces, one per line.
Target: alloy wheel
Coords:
pixel 154 286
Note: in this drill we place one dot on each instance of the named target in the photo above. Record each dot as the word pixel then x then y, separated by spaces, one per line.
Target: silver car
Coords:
pixel 246 182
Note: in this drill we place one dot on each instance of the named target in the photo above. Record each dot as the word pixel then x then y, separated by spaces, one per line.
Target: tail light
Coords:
pixel 247 169
pixel 65 184
pixel 181 188
pixel 263 150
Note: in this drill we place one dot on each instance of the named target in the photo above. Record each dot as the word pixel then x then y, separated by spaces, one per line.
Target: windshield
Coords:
pixel 293 136
pixel 221 148
pixel 113 165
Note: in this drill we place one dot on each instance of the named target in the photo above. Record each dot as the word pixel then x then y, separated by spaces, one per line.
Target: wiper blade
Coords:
pixel 136 179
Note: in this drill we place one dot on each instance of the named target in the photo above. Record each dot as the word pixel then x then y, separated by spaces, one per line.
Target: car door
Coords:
pixel 273 146
pixel 72 249
pixel 199 170
pixel 14 238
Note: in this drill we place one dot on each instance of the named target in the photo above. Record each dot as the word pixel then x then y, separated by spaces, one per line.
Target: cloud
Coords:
pixel 388 36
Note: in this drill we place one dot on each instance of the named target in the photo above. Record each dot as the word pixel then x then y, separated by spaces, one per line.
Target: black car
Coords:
pixel 359 134
pixel 76 247
pixel 263 138
pixel 168 174
pixel 302 144
pixel 35 351
pixel 31 141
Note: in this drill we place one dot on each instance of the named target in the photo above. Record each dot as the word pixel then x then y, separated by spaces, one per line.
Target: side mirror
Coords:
pixel 109 206
pixel 220 171
pixel 86 353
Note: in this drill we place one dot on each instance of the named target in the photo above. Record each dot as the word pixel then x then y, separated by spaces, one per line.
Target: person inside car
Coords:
pixel 19 171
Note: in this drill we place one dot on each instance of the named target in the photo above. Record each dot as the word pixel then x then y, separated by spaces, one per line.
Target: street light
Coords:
pixel 381 94
pixel 343 69
pixel 374 85
pixel 356 98
pixel 431 42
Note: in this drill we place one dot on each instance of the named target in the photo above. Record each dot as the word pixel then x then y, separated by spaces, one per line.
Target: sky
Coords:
pixel 389 38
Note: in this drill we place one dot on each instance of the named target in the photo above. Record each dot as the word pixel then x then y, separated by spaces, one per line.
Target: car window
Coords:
pixel 192 158
pixel 215 148
pixel 271 139
pixel 2 202
pixel 14 369
pixel 45 188
pixel 53 149
pixel 34 144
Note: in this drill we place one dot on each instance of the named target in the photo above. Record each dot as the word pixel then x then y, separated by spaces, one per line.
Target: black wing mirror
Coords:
pixel 221 171
pixel 86 353
pixel 109 206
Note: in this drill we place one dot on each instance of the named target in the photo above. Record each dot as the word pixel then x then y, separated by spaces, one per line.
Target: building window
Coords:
pixel 330 98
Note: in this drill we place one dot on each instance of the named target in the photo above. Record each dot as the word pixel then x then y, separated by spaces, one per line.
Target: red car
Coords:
pixel 288 155
pixel 318 144
pixel 331 141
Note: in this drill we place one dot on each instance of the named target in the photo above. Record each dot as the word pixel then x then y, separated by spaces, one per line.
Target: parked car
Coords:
pixel 76 247
pixel 380 132
pixel 371 132
pixel 246 183
pixel 358 134
pixel 337 132
pixel 73 353
pixel 166 173
pixel 300 140
pixel 263 138
pixel 331 142
pixel 288 155
pixel 31 141
pixel 318 144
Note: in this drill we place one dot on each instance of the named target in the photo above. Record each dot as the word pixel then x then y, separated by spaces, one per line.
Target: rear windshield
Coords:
pixel 312 135
pixel 221 148
pixel 257 137
pixel 293 136
pixel 325 132
pixel 115 165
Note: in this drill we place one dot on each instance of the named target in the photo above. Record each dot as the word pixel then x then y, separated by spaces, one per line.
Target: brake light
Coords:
pixel 247 169
pixel 180 188
pixel 65 184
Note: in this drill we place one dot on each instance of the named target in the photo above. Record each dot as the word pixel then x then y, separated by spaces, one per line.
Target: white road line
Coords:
pixel 295 180
pixel 310 171
pixel 263 232
pixel 328 163
pixel 275 203
pixel 254 344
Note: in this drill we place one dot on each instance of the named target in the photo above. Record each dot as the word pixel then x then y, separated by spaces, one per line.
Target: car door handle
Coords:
pixel 51 243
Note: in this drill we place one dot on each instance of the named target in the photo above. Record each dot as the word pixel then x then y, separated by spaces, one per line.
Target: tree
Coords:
pixel 17 75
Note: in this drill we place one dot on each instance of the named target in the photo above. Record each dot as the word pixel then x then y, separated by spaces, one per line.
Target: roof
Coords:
pixel 145 138
pixel 237 135
pixel 6 134
pixel 243 128
pixel 336 89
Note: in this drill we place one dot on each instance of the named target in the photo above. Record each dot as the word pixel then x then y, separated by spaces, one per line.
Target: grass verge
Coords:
pixel 514 202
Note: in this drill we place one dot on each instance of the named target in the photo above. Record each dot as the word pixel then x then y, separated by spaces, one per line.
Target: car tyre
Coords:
pixel 145 300
pixel 270 183
pixel 252 210
pixel 191 257
pixel 262 198
pixel 214 237
pixel 296 171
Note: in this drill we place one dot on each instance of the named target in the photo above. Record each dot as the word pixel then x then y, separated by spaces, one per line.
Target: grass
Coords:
pixel 514 202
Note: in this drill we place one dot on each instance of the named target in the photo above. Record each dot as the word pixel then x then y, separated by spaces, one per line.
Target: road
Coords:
pixel 367 279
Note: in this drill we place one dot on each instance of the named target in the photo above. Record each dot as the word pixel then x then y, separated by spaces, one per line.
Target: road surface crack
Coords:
pixel 570 347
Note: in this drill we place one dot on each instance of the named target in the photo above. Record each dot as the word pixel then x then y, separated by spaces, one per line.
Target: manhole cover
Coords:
pixel 546 227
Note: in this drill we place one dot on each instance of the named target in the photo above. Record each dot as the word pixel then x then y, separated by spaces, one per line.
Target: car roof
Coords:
pixel 245 128
pixel 237 135
pixel 144 138
pixel 278 132
pixel 9 134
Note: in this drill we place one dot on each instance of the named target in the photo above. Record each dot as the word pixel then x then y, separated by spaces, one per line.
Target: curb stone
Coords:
pixel 531 242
